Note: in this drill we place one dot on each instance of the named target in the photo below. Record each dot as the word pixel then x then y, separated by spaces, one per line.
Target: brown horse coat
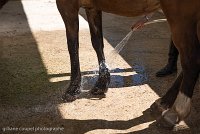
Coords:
pixel 184 19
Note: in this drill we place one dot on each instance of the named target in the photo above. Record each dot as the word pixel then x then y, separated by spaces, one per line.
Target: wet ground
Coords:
pixel 35 71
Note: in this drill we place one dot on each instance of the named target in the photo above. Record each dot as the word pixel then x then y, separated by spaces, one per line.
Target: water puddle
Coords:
pixel 117 79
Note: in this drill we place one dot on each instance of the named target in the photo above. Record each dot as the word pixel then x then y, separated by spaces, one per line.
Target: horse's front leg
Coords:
pixel 95 23
pixel 69 12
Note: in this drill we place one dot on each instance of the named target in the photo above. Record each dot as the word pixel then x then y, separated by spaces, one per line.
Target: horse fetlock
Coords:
pixel 103 81
pixel 182 105
pixel 104 74
pixel 103 69
pixel 179 111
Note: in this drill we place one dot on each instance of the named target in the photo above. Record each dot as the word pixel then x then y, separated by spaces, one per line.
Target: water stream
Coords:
pixel 88 82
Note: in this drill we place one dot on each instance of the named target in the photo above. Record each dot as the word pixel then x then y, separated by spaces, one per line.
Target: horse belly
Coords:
pixel 128 8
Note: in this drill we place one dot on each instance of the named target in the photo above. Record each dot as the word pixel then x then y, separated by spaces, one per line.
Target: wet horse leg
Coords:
pixel 69 12
pixel 95 24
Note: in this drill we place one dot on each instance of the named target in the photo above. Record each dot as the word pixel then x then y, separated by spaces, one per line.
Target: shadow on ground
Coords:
pixel 25 83
pixel 24 80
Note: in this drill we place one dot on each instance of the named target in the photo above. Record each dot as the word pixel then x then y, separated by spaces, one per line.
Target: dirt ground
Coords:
pixel 35 71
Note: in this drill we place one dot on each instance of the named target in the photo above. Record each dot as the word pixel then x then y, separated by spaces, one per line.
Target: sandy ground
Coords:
pixel 35 71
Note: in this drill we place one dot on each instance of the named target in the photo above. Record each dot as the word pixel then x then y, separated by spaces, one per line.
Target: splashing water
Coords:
pixel 113 54
pixel 155 21
pixel 124 41
pixel 121 45
pixel 87 82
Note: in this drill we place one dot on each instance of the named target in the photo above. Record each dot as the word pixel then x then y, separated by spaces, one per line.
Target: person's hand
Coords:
pixel 140 24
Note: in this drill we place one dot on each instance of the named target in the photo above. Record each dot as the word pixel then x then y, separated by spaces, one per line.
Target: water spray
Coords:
pixel 124 41
pixel 113 54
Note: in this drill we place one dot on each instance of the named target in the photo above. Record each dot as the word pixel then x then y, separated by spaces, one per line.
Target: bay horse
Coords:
pixel 184 20
pixel 69 11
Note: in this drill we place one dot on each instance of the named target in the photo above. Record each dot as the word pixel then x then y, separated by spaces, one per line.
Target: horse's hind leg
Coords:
pixel 69 12
pixel 95 24
pixel 189 48
pixel 169 98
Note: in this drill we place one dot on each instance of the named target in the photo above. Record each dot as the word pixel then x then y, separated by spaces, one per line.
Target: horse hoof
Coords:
pixel 69 98
pixel 98 91
pixel 179 127
pixel 101 86
pixel 163 123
